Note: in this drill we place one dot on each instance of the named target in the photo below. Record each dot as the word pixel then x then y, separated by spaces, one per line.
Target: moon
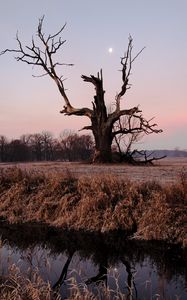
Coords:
pixel 110 50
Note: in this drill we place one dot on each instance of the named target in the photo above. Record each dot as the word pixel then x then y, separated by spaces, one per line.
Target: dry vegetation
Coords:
pixel 146 210
pixel 18 287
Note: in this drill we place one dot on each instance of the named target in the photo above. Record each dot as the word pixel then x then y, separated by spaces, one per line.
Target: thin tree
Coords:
pixel 126 140
pixel 3 148
pixel 42 54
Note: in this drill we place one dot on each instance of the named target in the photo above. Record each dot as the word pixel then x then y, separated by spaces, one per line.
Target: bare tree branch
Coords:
pixel 86 128
pixel 113 117
pixel 44 57
pixel 126 62
pixel 77 111
pixel 147 160
pixel 143 126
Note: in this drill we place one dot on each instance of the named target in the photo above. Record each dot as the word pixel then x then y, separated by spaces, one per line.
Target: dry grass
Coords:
pixel 99 203
pixel 16 286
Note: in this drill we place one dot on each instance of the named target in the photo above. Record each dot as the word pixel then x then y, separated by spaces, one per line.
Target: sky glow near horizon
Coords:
pixel 159 75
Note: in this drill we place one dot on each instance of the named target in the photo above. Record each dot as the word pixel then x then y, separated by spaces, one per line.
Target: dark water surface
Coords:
pixel 139 270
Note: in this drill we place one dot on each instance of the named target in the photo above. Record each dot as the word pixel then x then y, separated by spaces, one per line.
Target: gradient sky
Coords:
pixel 159 75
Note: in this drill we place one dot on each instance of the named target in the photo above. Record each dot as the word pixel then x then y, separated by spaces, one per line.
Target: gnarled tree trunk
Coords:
pixel 100 125
pixel 103 143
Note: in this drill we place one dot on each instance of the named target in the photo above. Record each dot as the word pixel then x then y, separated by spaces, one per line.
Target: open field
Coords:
pixel 164 171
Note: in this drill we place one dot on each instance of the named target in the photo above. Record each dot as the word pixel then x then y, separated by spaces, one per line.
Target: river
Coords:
pixel 137 269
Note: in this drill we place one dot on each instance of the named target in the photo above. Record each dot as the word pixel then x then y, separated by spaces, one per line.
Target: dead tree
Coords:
pixel 126 140
pixel 42 54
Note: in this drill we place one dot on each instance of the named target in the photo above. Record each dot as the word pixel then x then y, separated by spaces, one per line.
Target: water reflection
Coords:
pixel 140 270
pixel 63 275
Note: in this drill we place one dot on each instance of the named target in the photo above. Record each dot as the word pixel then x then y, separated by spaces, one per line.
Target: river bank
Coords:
pixel 147 211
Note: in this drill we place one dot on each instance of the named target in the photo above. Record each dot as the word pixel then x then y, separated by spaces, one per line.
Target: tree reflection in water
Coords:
pixel 64 273
pixel 105 251
pixel 130 279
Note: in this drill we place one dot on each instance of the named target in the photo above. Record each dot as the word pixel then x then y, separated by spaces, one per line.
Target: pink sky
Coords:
pixel 159 75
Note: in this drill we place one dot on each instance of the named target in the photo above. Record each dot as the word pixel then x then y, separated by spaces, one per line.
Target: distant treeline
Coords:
pixel 168 153
pixel 68 147
pixel 43 146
